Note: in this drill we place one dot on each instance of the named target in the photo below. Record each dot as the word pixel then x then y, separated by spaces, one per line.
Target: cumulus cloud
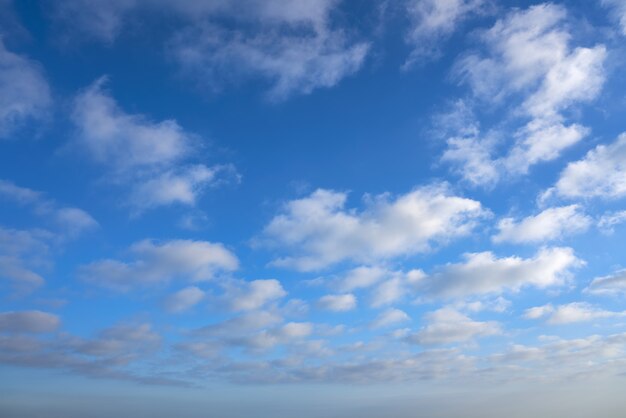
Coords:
pixel 149 155
pixel 447 326
pixel 389 318
pixel 28 322
pixel 601 173
pixel 484 273
pixel 529 61
pixel 570 313
pixel 433 21
pixel 552 223
pixel 337 303
pixel 24 92
pixel 184 299
pixel 608 221
pixel 160 262
pixel 613 284
pixel 321 231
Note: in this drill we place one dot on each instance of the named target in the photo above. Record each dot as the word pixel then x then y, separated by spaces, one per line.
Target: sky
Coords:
pixel 279 208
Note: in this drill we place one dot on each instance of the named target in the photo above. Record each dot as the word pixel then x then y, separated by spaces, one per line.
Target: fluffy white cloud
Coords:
pixel 432 21
pixel 601 173
pixel 247 296
pixel 28 322
pixel 613 284
pixel 337 303
pixel 122 140
pixel 321 231
pixel 447 326
pixel 389 318
pixel 529 58
pixel 483 273
pixel 389 291
pixel 24 92
pixel 184 299
pixel 552 223
pixel 156 263
pixel 148 155
pixel 361 277
pixel 570 313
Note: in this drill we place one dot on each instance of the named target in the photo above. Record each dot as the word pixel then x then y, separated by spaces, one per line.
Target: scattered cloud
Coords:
pixel 613 284
pixel 184 299
pixel 529 61
pixel 447 326
pixel 601 173
pixel 483 273
pixel 251 295
pixel 157 263
pixel 433 21
pixel 570 313
pixel 28 322
pixel 389 318
pixel 24 92
pixel 337 303
pixel 551 224
pixel 321 231
pixel 618 9
pixel 150 156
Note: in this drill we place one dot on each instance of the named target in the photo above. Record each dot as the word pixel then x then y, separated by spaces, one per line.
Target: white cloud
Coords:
pixel 483 273
pixel 552 223
pixel 447 326
pixel 28 322
pixel 570 313
pixel 361 277
pixel 24 92
pixel 433 21
pixel 389 318
pixel 529 58
pixel 337 303
pixel 601 173
pixel 147 155
pixel 252 295
pixel 321 231
pixel 157 263
pixel 123 140
pixel 613 284
pixel 184 299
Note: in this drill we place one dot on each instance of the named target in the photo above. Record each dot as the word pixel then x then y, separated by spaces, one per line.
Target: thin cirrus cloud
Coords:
pixel 24 92
pixel 528 61
pixel 153 157
pixel 155 263
pixel 432 22
pixel 310 54
pixel 322 231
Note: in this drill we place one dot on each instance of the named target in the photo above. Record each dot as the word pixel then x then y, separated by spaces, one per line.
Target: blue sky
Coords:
pixel 322 207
